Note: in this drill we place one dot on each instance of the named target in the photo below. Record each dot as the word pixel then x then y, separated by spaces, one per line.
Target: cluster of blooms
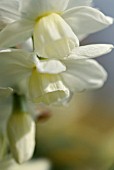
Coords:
pixel 41 61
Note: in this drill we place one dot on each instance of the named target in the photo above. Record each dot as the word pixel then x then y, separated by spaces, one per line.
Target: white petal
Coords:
pixel 73 3
pixel 50 66
pixel 87 74
pixel 9 9
pixel 46 88
pixel 42 7
pixel 74 83
pixel 5 92
pixel 53 38
pixel 27 45
pixel 90 51
pixel 15 33
pixel 86 20
pixel 3 22
pixel 14 65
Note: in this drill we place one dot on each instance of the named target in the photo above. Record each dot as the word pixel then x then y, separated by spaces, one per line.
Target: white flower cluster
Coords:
pixel 41 61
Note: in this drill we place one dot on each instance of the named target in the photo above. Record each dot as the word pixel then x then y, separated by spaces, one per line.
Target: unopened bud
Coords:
pixel 21 134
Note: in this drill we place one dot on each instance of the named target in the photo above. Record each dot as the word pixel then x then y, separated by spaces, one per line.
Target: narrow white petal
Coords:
pixel 90 51
pixel 73 3
pixel 50 66
pixel 53 38
pixel 86 20
pixel 42 7
pixel 47 88
pixel 87 74
pixel 15 33
pixel 14 65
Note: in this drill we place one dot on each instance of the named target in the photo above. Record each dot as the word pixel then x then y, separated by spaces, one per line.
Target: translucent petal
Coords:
pixel 53 38
pixel 14 66
pixel 84 74
pixel 9 9
pixel 41 7
pixel 47 88
pixel 73 3
pixel 86 20
pixel 3 22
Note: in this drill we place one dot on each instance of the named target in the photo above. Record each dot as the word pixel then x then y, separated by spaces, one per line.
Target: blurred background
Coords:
pixel 80 136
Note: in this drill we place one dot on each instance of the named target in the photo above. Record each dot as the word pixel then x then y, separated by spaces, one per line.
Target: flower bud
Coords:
pixel 21 134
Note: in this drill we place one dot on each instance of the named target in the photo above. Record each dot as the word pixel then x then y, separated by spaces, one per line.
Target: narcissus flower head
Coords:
pixel 54 80
pixel 54 25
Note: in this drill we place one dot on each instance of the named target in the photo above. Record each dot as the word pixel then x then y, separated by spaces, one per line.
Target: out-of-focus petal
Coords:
pixel 73 3
pixel 15 33
pixel 86 20
pixel 14 65
pixel 5 92
pixel 9 9
pixel 27 45
pixel 41 7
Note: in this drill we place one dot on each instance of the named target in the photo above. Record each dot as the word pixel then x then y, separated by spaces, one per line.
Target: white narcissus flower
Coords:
pixel 52 24
pixel 52 80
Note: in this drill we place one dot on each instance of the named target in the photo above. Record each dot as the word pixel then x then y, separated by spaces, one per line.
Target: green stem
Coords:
pixel 18 103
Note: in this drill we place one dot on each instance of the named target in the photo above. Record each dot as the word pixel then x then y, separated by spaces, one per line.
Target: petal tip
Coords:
pixel 110 20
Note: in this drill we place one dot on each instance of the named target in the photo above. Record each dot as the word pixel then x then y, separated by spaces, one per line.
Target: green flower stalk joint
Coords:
pixel 21 132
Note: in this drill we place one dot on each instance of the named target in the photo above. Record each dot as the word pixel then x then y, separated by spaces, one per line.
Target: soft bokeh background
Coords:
pixel 81 135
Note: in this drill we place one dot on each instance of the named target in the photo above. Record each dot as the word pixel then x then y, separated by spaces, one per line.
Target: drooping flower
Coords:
pixel 53 80
pixel 52 24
